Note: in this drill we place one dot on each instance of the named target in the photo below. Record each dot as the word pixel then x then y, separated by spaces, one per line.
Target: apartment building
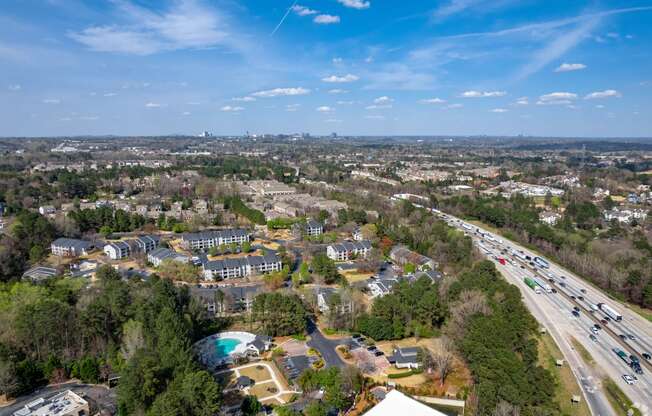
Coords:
pixel 147 243
pixel 230 268
pixel 71 247
pixel 161 254
pixel 206 239
pixel 117 250
pixel 314 228
pixel 348 249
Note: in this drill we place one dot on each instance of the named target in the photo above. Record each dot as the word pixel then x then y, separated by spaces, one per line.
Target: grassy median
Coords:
pixel 584 353
pixel 566 384
pixel 619 401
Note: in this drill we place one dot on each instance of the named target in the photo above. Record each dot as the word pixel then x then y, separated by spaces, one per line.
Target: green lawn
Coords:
pixel 566 383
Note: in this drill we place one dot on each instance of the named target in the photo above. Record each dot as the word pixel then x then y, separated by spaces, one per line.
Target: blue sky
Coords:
pixel 369 67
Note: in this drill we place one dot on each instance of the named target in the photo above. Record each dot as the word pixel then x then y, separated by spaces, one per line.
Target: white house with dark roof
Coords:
pixel 159 255
pixel 405 357
pixel 71 247
pixel 241 266
pixel 117 250
pixel 313 228
pixel 381 287
pixel 348 249
pixel 206 239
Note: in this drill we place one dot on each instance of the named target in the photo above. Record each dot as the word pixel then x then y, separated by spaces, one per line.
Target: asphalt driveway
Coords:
pixel 325 346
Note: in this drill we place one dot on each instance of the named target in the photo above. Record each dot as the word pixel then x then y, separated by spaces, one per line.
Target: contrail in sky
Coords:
pixel 283 19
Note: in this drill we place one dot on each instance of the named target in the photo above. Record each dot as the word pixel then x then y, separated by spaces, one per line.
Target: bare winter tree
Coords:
pixel 470 303
pixel 505 409
pixel 443 358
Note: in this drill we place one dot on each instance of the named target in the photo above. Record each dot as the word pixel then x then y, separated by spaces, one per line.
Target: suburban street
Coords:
pixel 554 312
pixel 324 345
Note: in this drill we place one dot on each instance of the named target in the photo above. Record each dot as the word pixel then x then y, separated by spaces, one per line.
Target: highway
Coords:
pixel 555 312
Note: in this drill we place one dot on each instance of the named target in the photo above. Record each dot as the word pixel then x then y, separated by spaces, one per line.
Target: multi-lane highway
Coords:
pixel 567 307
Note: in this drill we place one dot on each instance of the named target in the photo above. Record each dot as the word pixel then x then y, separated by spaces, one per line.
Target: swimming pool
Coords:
pixel 225 346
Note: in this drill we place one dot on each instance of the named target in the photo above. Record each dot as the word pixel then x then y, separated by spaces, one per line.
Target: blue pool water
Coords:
pixel 225 346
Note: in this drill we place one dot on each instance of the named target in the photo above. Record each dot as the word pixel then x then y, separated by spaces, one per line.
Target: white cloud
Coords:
pixel 342 79
pixel 276 92
pixel 245 99
pixel 355 4
pixel 337 60
pixel 51 101
pixel 186 25
pixel 557 98
pixel 186 113
pixel 325 109
pixel 303 11
pixel 522 101
pixel 326 19
pixel 602 94
pixel 333 120
pixel 110 94
pixel 375 117
pixel 435 100
pixel 292 107
pixel 89 118
pixel 14 87
pixel 345 102
pixel 378 107
pixel 383 100
pixel 482 94
pixel 337 91
pixel 453 106
pixel 569 67
pixel 499 110
pixel 229 108
pixel 599 106
pixel 152 105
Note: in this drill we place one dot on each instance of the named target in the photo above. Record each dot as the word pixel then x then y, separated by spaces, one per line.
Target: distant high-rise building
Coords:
pixel 334 135
pixel 205 134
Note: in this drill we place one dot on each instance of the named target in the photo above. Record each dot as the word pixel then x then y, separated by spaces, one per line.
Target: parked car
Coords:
pixel 378 353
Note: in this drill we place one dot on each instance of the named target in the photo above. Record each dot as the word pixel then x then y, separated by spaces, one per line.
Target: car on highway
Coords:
pixel 573 297
pixel 554 290
pixel 632 337
pixel 604 321
pixel 598 327
pixel 628 379
pixel 593 338
pixel 562 284
pixel 576 308
pixel 563 277
pixel 623 337
pixel 580 298
pixel 583 290
pixel 594 330
pixel 576 314
pixel 647 356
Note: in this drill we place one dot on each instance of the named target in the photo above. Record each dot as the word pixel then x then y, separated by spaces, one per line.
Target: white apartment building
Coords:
pixel 207 239
pixel 241 267
pixel 348 249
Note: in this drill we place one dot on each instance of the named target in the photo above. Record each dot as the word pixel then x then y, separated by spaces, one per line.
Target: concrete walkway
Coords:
pixel 269 368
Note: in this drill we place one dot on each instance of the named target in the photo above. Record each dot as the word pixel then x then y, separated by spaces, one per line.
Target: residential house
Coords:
pixel 71 247
pixel 405 357
pixel 549 217
pixel 326 300
pixel 207 239
pixel 241 266
pixel 159 255
pixel 381 287
pixel 348 250
pixel 357 234
pixel 402 255
pixel 47 210
pixel 313 228
pixel 117 250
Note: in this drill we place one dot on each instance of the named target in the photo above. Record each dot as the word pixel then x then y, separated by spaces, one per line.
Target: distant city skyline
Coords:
pixel 357 67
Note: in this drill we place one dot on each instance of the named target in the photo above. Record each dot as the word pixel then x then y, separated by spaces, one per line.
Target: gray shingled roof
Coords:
pixel 208 235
